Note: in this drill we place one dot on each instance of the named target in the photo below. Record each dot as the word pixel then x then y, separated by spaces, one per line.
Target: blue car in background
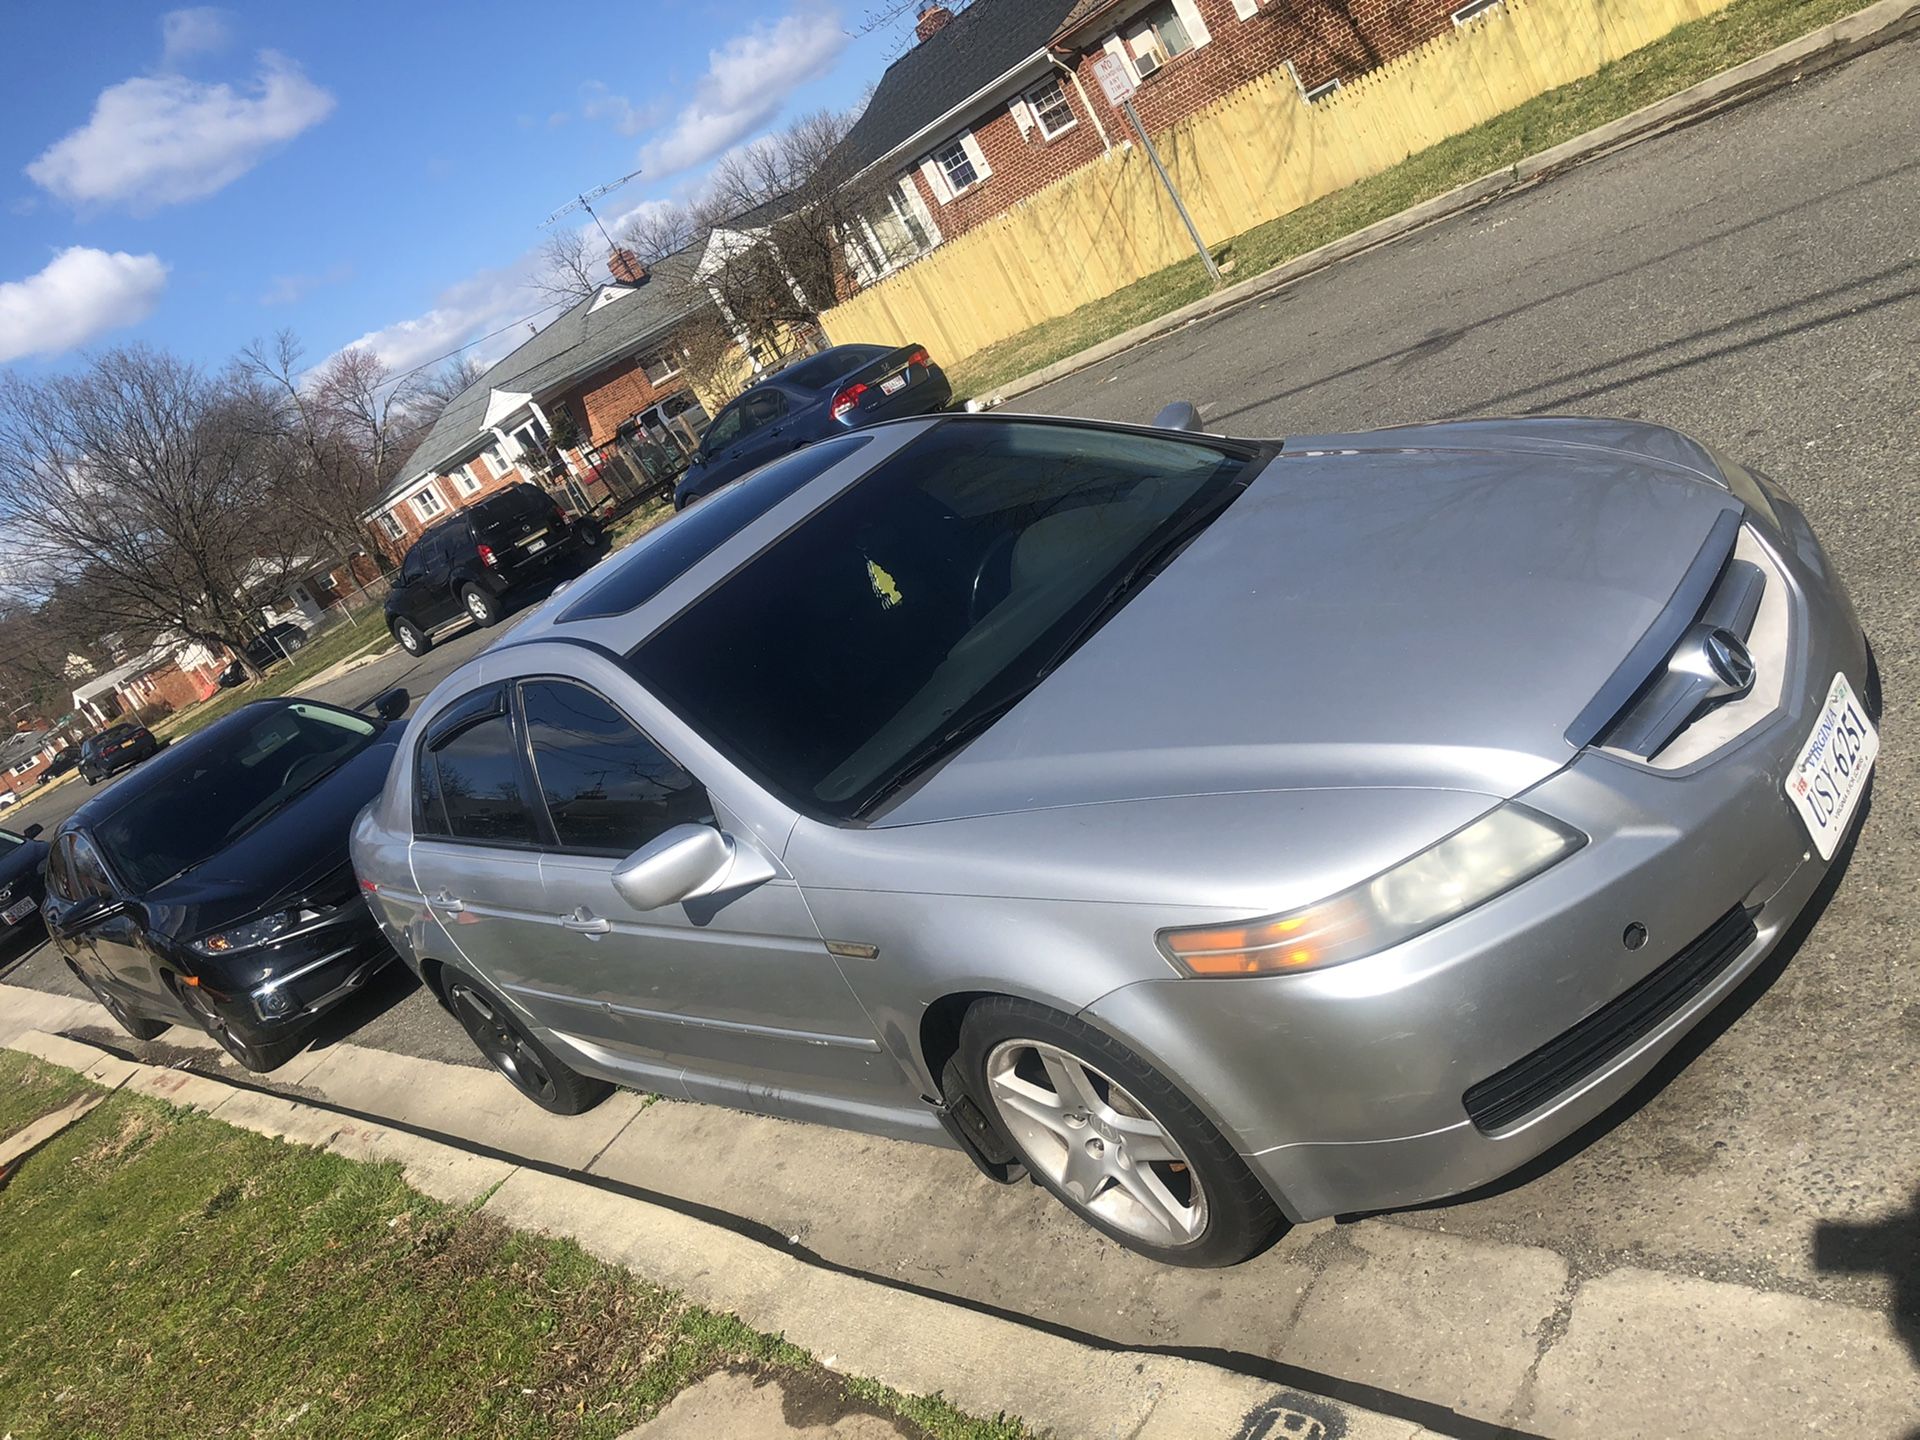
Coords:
pixel 839 389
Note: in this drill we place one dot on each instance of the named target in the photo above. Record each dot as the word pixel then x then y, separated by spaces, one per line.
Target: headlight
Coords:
pixel 1468 868
pixel 252 934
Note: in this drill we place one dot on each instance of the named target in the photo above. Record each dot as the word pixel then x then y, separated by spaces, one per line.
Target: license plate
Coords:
pixel 894 384
pixel 1827 781
pixel 18 911
pixel 534 547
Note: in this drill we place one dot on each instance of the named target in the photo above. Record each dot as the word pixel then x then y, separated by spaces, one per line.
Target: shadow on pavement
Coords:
pixel 1889 1247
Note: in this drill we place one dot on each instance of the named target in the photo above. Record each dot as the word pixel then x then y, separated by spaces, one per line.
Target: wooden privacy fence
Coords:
pixel 1248 158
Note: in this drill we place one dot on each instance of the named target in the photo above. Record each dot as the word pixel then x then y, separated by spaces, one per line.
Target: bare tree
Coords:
pixel 662 230
pixel 571 267
pixel 140 478
pixel 440 388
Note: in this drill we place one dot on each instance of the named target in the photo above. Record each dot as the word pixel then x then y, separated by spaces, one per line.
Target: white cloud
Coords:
pixel 600 103
pixel 199 30
pixel 483 302
pixel 81 294
pixel 748 79
pixel 161 140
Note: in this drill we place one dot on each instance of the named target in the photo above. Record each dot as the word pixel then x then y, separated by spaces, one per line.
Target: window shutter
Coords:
pixel 1189 14
pixel 972 147
pixel 936 179
pixel 1022 116
pixel 1245 8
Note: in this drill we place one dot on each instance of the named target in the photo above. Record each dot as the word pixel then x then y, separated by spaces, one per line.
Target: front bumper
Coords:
pixel 1344 1089
pixel 309 975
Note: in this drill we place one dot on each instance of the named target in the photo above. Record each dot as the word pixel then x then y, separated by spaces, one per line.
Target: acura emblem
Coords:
pixel 1731 662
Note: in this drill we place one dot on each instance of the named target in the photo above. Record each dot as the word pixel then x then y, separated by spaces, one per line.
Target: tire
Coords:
pixel 412 638
pixel 591 539
pixel 481 607
pixel 138 1026
pixel 530 1067
pixel 253 1055
pixel 1192 1202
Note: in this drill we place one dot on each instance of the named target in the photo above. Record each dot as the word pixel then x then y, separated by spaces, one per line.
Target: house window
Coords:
pixel 496 459
pixel 1318 92
pixel 1466 14
pixel 956 165
pixel 1050 109
pixel 24 766
pixel 1160 32
pixel 465 481
pixel 427 503
pixel 531 441
pixel 390 523
pixel 658 367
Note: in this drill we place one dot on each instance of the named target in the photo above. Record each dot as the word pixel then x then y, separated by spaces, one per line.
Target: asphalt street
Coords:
pixel 1754 279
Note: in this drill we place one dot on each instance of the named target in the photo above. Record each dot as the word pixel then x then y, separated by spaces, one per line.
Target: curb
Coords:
pixel 1817 51
pixel 982 1363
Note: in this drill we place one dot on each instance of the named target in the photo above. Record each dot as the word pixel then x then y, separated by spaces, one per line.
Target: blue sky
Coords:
pixel 360 172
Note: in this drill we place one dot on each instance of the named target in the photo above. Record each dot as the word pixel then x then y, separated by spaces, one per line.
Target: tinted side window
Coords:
pixel 58 880
pixel 476 776
pixel 85 874
pixel 415 565
pixel 724 431
pixel 607 786
pixel 762 407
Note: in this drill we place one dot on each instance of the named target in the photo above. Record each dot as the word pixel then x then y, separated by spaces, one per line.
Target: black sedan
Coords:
pixel 213 888
pixel 269 647
pixel 115 749
pixel 839 389
pixel 23 863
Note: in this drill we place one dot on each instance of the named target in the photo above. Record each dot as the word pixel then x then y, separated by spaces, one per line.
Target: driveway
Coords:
pixel 1753 279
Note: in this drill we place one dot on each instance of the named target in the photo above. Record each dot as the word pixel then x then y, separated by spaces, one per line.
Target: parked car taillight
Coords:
pixel 486 556
pixel 920 358
pixel 847 399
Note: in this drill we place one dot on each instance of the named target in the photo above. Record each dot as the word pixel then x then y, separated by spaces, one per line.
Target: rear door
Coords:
pixel 476 858
pixel 757 438
pixel 437 595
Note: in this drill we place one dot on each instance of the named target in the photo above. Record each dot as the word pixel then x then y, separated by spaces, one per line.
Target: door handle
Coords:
pixel 446 902
pixel 584 923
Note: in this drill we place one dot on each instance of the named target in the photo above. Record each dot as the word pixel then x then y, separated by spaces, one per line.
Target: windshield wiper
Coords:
pixel 939 745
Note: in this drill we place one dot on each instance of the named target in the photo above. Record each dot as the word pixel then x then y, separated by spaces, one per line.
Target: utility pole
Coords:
pixel 1119 86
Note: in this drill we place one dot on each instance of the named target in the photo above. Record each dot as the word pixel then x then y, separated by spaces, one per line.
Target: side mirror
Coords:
pixel 1181 415
pixel 392 704
pixel 32 832
pixel 685 863
pixel 80 915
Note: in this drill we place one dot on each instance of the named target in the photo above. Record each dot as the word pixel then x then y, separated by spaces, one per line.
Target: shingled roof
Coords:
pixel 979 45
pixel 584 339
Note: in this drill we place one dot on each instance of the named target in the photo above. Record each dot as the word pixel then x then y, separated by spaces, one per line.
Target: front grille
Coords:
pixel 1570 1057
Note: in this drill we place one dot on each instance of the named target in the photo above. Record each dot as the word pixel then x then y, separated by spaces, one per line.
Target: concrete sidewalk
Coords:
pixel 1821 49
pixel 812 1232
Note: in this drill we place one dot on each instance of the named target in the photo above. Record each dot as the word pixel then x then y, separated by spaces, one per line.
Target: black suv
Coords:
pixel 469 563
pixel 113 750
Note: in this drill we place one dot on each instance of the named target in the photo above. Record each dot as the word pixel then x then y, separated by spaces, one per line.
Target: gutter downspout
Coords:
pixel 1085 103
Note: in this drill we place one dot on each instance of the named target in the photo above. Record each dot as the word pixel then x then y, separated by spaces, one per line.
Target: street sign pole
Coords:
pixel 1146 143
pixel 1118 84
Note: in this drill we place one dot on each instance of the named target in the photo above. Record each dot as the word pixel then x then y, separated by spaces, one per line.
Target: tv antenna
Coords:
pixel 585 202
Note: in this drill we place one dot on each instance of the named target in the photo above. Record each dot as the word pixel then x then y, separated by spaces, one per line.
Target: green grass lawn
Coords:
pixel 342 642
pixel 1686 56
pixel 165 1275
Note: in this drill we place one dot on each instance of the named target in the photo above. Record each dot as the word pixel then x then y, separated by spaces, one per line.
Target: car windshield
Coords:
pixel 216 789
pixel 8 839
pixel 871 640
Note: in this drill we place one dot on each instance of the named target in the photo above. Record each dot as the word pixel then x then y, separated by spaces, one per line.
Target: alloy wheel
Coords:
pixel 477 606
pixel 1097 1144
pixel 501 1042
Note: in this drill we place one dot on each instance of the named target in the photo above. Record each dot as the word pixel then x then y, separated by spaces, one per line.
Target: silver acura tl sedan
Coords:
pixel 1219 832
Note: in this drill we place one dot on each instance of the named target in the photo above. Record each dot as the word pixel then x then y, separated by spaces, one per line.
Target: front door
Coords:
pixel 738 988
pixel 100 930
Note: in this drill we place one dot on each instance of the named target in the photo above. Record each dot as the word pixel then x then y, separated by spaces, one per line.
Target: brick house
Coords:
pixel 998 101
pixel 169 675
pixel 609 364
pixel 25 756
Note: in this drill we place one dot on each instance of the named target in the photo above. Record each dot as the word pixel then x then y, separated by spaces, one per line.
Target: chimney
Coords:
pixel 933 19
pixel 626 267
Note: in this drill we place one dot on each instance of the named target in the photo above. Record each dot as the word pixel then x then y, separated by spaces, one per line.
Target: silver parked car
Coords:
pixel 1220 832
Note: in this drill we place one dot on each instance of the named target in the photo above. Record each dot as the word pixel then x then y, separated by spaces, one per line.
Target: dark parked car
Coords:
pixel 23 866
pixel 213 888
pixel 114 749
pixel 471 563
pixel 840 389
pixel 60 764
pixel 269 647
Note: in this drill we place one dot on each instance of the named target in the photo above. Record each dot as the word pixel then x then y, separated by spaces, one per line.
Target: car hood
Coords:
pixel 20 861
pixel 293 855
pixel 1417 610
